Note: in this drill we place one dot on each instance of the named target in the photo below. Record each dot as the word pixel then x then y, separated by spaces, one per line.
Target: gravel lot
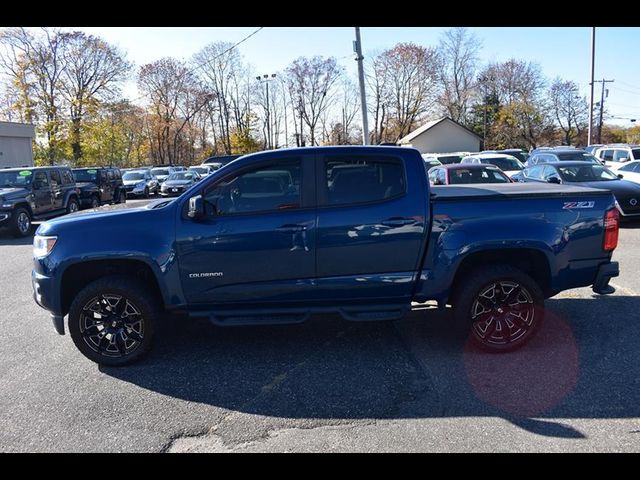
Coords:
pixel 328 385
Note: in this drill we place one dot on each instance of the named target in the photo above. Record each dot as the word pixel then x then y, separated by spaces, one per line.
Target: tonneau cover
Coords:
pixel 519 190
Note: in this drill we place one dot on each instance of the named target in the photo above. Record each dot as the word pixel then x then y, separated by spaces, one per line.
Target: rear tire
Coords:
pixel 112 320
pixel 72 206
pixel 502 306
pixel 21 223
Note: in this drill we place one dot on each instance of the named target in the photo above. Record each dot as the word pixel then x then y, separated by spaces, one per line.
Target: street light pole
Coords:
pixel 266 79
pixel 363 95
pixel 593 59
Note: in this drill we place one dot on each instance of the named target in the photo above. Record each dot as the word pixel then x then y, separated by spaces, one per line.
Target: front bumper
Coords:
pixel 5 217
pixel 43 294
pixel 605 273
pixel 172 191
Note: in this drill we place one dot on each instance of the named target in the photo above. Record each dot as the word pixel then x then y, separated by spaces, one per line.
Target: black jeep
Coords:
pixel 99 185
pixel 35 193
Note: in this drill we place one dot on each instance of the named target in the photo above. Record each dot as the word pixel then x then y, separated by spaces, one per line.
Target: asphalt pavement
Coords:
pixel 328 385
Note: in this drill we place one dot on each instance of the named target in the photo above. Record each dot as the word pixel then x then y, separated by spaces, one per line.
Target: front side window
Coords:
pixel 607 155
pixel 587 173
pixel 272 187
pixel 352 179
pixel 41 180
pixel 67 177
pixel 534 172
pixel 630 167
pixel 550 172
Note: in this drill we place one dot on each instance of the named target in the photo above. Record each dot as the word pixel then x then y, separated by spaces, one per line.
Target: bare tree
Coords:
pixel 220 67
pixel 376 77
pixel 407 89
pixel 176 96
pixel 458 50
pixel 569 109
pixel 311 82
pixel 92 72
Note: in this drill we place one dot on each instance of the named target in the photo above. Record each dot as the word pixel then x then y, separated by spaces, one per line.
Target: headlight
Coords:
pixel 141 184
pixel 42 246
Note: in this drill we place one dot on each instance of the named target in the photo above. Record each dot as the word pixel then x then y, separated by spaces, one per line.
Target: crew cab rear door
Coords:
pixel 257 242
pixel 372 220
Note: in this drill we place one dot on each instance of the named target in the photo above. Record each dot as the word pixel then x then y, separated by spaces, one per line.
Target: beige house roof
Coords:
pixel 408 138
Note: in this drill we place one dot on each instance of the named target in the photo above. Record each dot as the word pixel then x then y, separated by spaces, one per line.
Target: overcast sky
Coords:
pixel 560 51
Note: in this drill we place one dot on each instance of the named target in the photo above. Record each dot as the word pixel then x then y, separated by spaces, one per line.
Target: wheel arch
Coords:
pixel 78 275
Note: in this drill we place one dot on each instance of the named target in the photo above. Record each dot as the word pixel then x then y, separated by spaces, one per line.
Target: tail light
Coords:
pixel 611 226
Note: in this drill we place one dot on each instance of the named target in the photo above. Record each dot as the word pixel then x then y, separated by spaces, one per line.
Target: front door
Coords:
pixel 370 230
pixel 257 243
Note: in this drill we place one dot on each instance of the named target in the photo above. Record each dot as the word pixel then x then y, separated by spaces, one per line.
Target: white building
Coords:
pixel 442 136
pixel 16 144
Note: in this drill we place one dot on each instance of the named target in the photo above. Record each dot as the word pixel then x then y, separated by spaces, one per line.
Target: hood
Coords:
pixel 177 183
pixel 133 182
pixel 620 188
pixel 9 193
pixel 87 220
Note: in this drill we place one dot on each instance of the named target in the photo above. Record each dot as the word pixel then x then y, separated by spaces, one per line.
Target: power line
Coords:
pixel 227 50
pixel 626 91
pixel 629 85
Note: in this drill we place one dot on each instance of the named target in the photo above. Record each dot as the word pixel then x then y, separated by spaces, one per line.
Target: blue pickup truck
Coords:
pixel 276 236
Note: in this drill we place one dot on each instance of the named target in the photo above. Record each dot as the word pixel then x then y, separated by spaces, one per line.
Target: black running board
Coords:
pixel 300 315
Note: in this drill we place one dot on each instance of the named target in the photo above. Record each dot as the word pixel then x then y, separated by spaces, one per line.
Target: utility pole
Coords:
pixel 357 47
pixel 266 79
pixel 284 104
pixel 602 108
pixel 593 65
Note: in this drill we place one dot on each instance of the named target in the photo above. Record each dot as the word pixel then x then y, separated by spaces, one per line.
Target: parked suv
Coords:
pixel 560 154
pixel 615 156
pixel 35 193
pixel 99 185
pixel 141 183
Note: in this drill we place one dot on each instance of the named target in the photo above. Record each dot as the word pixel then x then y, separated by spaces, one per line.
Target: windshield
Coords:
pixel 160 171
pixel 460 176
pixel 86 175
pixel 133 176
pixel 586 173
pixel 201 170
pixel 181 176
pixel 578 157
pixel 16 178
pixel 449 159
pixel 503 163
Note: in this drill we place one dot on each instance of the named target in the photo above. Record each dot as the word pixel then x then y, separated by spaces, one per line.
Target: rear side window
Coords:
pixel 272 187
pixel 619 155
pixel 636 153
pixel 362 179
pixel 67 177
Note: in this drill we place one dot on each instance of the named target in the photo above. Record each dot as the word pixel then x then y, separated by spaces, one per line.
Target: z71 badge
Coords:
pixel 570 205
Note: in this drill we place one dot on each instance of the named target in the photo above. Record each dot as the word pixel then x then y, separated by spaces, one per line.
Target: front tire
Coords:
pixel 112 321
pixel 95 203
pixel 502 306
pixel 21 223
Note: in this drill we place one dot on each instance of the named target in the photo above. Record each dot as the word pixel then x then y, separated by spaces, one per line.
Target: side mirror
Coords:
pixel 620 175
pixel 555 180
pixel 196 207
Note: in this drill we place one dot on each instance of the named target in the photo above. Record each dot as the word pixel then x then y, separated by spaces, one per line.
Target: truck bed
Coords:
pixel 513 190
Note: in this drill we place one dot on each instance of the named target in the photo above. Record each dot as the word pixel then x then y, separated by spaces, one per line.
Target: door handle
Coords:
pixel 291 228
pixel 398 221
